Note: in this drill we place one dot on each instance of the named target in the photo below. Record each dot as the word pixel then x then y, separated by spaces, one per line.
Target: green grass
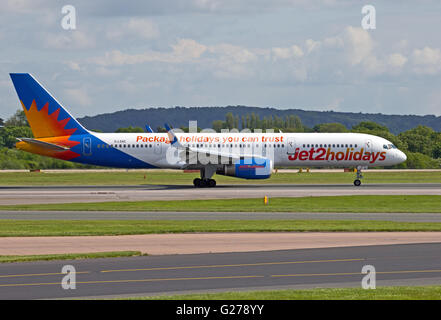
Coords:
pixel 180 178
pixel 26 228
pixel 381 293
pixel 71 256
pixel 364 203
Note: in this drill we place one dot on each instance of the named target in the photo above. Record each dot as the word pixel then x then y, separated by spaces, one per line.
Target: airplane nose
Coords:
pixel 402 156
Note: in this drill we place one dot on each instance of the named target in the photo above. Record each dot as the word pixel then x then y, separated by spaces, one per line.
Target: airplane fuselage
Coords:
pixel 150 150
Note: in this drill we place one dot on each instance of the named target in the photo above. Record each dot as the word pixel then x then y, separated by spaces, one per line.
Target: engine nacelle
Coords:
pixel 248 168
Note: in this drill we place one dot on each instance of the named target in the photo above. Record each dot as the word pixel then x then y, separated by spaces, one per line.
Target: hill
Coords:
pixel 179 116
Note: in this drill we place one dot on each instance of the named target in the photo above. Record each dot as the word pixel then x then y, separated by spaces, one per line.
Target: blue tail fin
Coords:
pixel 46 116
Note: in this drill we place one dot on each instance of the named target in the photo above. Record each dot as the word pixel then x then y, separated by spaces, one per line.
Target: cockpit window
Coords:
pixel 384 146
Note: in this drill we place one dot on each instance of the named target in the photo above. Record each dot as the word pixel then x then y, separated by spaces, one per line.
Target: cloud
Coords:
pixel 426 60
pixel 143 28
pixel 233 53
pixel 358 43
pixel 312 45
pixel 24 6
pixel 68 40
pixel 79 95
pixel 186 50
pixel 286 53
pixel 396 60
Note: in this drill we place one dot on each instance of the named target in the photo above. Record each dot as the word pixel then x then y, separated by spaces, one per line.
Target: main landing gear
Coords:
pixel 357 181
pixel 205 181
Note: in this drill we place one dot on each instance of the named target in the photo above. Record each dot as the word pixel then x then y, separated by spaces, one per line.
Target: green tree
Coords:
pixel 229 120
pixel 417 160
pixel 436 153
pixel 421 139
pixel 330 127
pixel 129 129
pixel 9 135
pixel 369 126
pixel 17 120
pixel 218 125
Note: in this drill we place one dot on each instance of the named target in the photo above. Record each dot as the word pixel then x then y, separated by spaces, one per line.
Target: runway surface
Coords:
pixel 136 215
pixel 412 264
pixel 69 194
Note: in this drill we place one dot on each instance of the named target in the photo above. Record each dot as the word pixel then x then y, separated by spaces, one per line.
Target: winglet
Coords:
pixel 148 128
pixel 171 136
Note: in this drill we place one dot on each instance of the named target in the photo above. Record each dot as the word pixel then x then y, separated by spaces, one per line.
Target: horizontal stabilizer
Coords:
pixel 46 145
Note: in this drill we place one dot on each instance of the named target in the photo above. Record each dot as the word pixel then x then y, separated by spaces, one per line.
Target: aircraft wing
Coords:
pixel 191 155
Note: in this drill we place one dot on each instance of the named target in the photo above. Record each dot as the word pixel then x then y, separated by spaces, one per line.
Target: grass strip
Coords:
pixel 354 204
pixel 27 228
pixel 180 178
pixel 381 293
pixel 70 256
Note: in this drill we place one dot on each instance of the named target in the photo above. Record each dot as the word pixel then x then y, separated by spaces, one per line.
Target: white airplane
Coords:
pixel 243 155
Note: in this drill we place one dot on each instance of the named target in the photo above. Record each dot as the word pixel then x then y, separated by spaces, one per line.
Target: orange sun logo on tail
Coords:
pixel 46 127
pixel 44 124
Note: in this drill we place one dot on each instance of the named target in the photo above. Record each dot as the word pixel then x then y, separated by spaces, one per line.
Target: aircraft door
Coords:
pixel 368 145
pixel 157 148
pixel 87 146
pixel 291 146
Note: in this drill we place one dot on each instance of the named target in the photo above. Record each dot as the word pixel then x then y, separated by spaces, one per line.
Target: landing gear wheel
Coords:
pixel 211 183
pixel 197 182
pixel 203 183
pixel 357 182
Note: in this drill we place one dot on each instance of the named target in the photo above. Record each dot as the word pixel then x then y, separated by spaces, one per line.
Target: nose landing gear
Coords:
pixel 357 181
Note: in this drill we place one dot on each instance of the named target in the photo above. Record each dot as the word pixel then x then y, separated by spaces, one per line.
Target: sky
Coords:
pixel 304 54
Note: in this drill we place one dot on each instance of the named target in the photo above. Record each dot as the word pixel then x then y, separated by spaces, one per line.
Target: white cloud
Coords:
pixel 333 42
pixel 188 49
pixel 358 43
pixel 287 53
pixel 75 66
pixel 69 40
pixel 79 95
pixel 396 60
pixel 144 27
pixel 135 27
pixel 312 45
pixel 427 60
